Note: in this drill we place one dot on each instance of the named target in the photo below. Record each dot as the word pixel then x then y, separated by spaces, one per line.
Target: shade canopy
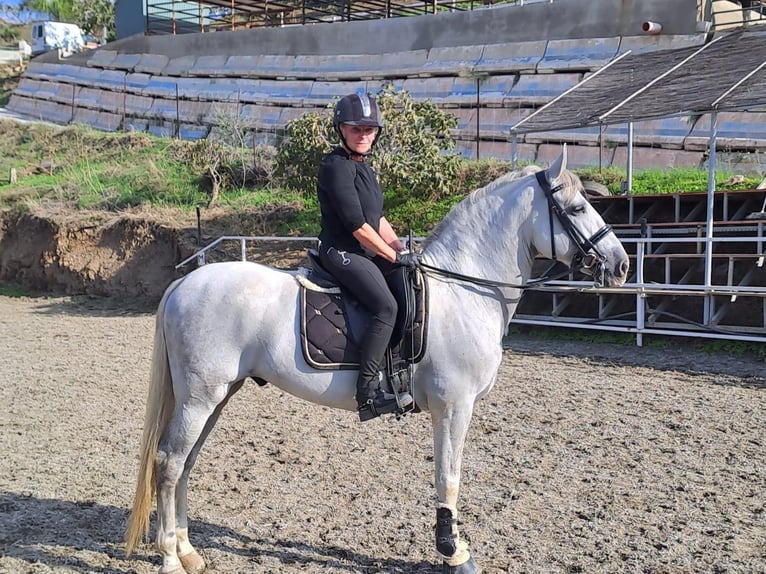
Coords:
pixel 726 74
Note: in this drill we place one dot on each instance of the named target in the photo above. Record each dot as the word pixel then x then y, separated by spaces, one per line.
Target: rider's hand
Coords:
pixel 408 259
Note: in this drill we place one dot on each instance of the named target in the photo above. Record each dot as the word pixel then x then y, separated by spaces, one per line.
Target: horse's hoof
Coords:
pixel 468 567
pixel 192 562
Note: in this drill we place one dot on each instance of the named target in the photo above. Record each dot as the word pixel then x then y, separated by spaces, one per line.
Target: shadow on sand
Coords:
pixel 66 535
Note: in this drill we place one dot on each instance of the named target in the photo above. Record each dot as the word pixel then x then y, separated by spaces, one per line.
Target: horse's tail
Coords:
pixel 159 407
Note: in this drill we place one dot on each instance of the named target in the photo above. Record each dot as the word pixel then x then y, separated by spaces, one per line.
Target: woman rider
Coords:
pixel 357 244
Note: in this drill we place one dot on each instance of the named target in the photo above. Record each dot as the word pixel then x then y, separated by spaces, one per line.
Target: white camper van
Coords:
pixel 52 35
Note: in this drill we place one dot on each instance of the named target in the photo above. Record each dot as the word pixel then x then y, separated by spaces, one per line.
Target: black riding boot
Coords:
pixel 372 401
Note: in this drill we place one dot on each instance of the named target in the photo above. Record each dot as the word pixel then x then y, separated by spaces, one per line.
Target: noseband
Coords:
pixel 589 258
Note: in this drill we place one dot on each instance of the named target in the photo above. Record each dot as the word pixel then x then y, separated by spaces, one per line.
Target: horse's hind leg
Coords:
pixel 190 559
pixel 189 421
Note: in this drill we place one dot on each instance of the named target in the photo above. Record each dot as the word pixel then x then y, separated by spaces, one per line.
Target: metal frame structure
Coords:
pixel 178 17
pixel 726 74
pixel 628 309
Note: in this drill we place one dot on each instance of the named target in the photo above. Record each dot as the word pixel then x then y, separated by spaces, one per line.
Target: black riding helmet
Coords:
pixel 357 110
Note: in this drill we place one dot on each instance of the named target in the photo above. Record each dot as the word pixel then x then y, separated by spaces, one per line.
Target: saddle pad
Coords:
pixel 324 332
pixel 330 336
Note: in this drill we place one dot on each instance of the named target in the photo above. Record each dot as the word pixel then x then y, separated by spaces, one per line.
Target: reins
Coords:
pixel 489 282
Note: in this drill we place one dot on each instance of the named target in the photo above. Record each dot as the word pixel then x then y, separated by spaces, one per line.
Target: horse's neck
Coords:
pixel 488 241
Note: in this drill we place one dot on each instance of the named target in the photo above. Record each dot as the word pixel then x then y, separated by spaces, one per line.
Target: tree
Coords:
pixel 91 15
pixel 60 10
pixel 97 15
pixel 9 34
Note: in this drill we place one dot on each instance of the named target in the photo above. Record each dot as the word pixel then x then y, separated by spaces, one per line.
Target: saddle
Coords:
pixel 333 322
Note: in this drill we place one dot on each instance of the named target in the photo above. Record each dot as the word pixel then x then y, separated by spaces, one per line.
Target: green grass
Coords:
pixel 81 168
pixel 87 169
pixel 16 291
pixel 657 181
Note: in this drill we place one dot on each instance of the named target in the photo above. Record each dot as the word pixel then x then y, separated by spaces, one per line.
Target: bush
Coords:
pixel 473 174
pixel 10 34
pixel 307 140
pixel 413 156
pixel 224 167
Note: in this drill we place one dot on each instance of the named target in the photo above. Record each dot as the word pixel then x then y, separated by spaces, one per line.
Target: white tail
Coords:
pixel 159 407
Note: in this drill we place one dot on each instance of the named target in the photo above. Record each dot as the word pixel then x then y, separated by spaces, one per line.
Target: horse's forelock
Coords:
pixel 572 189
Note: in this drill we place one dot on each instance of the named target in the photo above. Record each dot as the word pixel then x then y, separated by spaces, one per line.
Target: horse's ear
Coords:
pixel 558 166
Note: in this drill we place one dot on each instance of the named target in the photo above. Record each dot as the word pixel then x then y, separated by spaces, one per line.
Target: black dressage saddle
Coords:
pixel 332 322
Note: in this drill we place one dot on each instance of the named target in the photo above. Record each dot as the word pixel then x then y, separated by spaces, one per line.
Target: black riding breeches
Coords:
pixel 363 278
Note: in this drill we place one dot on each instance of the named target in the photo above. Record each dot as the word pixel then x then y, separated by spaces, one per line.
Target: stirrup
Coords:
pixel 384 403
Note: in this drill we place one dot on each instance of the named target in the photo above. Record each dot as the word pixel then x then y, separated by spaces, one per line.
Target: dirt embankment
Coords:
pixel 126 256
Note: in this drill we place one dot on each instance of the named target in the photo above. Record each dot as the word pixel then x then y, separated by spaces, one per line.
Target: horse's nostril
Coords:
pixel 624 267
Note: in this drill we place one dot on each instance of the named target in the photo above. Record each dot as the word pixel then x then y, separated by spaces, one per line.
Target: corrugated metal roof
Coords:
pixel 726 74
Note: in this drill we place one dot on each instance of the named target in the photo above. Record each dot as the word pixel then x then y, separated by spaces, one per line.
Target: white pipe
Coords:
pixel 640 298
pixel 651 27
pixel 514 151
pixel 630 159
pixel 713 146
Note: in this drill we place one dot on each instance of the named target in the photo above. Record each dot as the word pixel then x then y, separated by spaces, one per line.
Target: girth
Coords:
pixel 332 322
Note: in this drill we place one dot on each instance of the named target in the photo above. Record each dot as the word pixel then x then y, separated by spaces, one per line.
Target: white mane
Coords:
pixel 572 187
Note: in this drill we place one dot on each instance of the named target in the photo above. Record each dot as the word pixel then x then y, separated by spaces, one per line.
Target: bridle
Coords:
pixel 589 258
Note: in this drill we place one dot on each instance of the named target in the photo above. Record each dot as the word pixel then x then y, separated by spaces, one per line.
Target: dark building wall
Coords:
pixel 562 19
pixel 129 18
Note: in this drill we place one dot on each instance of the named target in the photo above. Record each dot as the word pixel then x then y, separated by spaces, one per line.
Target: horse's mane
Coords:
pixel 572 187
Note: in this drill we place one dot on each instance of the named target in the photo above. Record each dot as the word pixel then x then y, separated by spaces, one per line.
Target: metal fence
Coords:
pixel 641 307
pixel 730 14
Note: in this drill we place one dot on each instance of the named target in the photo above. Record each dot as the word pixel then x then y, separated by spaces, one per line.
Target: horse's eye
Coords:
pixel 578 209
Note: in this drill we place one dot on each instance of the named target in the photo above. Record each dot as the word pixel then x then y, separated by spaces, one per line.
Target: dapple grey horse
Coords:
pixel 225 322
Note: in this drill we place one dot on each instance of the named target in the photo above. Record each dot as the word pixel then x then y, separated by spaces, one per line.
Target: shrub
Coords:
pixel 413 156
pixel 474 174
pixel 308 138
pixel 10 34
pixel 223 167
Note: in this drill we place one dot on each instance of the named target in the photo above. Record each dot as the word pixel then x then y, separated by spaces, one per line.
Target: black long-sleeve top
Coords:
pixel 349 196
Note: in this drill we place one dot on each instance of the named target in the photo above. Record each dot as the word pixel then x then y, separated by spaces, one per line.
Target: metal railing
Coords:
pixel 638 320
pixel 184 17
pixel 730 14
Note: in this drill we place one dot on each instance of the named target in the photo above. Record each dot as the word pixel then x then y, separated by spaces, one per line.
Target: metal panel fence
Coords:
pixel 733 308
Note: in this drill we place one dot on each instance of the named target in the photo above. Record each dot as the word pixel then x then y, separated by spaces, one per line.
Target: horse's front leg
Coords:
pixel 450 425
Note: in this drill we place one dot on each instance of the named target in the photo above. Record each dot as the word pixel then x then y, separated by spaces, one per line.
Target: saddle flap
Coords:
pixel 408 288
pixel 325 338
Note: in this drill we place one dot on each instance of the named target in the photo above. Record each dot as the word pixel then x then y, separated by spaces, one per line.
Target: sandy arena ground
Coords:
pixel 585 458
